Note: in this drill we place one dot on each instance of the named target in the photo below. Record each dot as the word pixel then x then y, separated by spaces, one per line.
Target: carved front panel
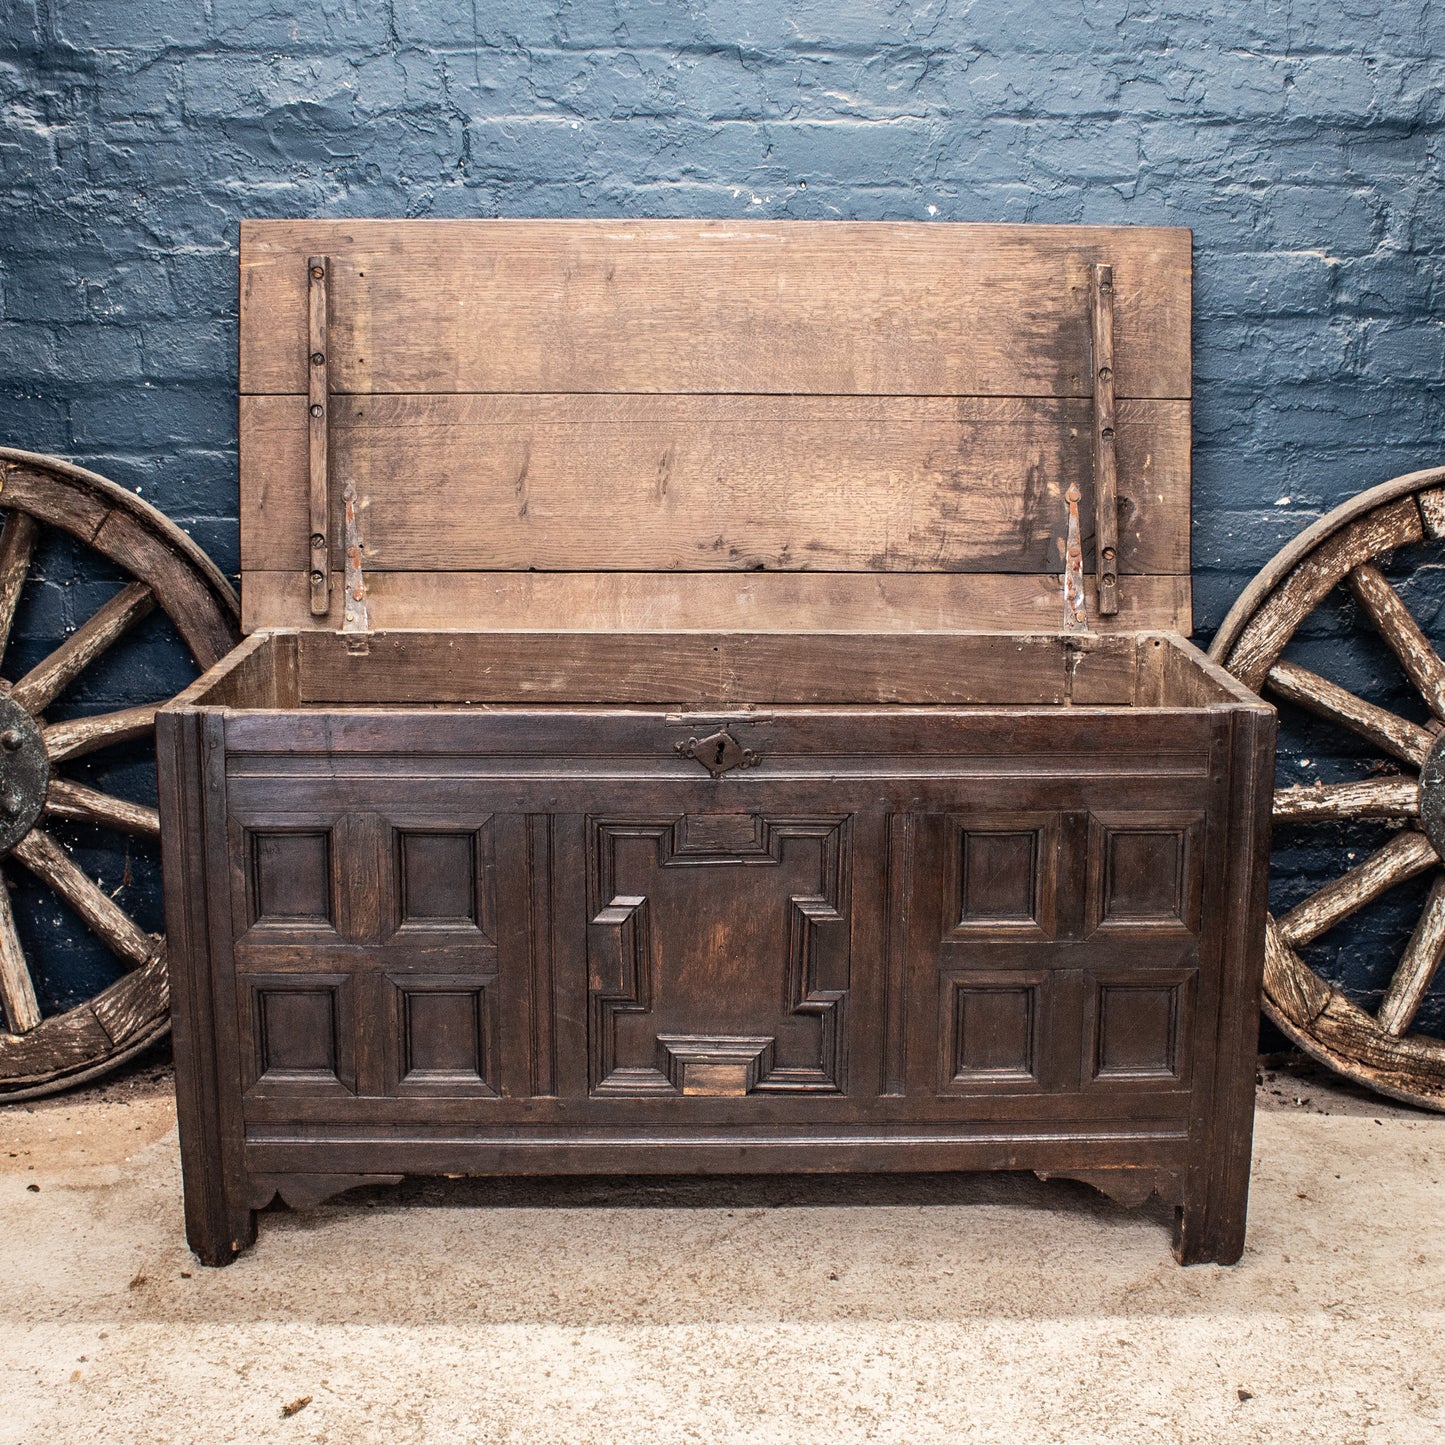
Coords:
pixel 366 955
pixel 718 953
pixel 1055 951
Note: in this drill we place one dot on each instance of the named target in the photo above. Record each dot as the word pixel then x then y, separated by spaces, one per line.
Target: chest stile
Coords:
pixel 716 701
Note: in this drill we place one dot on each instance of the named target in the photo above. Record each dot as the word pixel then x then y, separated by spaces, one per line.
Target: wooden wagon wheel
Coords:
pixel 1345 548
pixel 41 1055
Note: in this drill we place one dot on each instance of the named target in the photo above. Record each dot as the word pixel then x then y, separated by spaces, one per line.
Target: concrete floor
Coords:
pixel 784 1311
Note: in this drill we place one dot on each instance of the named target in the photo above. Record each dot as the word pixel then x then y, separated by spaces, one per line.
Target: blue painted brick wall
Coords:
pixel 1301 139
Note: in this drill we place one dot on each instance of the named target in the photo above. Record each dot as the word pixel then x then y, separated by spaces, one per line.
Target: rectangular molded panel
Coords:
pixel 997 1022
pixel 289 878
pixel 444 1030
pixel 1145 872
pixel 297 1033
pixel 1003 875
pixel 1139 1027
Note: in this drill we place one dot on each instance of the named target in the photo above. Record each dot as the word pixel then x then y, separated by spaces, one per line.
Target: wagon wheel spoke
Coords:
pixel 80 735
pixel 17 546
pixel 1417 966
pixel 79 803
pixel 45 858
pixel 1393 799
pixel 1404 856
pixel 46 680
pixel 17 992
pixel 1401 739
pixel 1394 622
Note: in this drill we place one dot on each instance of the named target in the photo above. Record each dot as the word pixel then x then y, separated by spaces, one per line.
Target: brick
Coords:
pixel 107 26
pixel 1299 283
pixel 879 152
pixel 1344 221
pixel 148 417
pixel 203 283
pixel 1392 281
pixel 386 84
pixel 323 87
pixel 188 350
pixel 146 93
pixel 36 423
pixel 320 24
pixel 1405 351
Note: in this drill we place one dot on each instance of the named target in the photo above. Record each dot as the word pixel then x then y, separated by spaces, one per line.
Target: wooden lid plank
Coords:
pixel 668 397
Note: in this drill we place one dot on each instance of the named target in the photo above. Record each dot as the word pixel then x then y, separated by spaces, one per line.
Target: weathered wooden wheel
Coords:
pixel 170 573
pixel 1350 547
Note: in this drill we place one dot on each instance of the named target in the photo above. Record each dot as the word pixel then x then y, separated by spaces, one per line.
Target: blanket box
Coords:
pixel 716 700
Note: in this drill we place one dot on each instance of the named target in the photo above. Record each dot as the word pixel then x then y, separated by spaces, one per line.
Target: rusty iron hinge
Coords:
pixel 1106 487
pixel 1076 617
pixel 354 615
pixel 318 404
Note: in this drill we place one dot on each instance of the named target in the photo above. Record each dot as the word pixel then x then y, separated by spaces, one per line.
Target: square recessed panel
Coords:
pixel 290 877
pixel 1138 1031
pixel 296 1035
pixel 1146 873
pixel 994 1032
pixel 1000 877
pixel 1001 874
pixel 443 1029
pixel 439 878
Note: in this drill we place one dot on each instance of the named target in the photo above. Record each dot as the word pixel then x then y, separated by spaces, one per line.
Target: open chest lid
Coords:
pixel 641 425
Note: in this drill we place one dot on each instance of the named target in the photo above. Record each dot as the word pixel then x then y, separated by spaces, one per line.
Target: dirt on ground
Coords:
pixel 910 1309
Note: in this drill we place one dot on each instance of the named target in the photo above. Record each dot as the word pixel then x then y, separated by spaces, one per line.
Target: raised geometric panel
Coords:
pixel 992 1022
pixel 444 879
pixel 718 955
pixel 289 878
pixel 443 1036
pixel 1145 873
pixel 1140 1026
pixel 1001 875
pixel 298 1031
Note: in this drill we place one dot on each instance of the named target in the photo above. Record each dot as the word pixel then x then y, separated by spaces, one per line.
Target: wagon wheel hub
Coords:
pixel 1432 795
pixel 24 773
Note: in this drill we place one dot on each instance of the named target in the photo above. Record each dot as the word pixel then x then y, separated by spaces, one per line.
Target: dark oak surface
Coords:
pixel 502 938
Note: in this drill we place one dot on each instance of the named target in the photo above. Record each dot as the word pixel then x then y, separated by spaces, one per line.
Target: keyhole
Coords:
pixel 719 756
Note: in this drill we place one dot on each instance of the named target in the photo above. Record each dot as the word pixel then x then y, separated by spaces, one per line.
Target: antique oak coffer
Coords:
pixel 715 702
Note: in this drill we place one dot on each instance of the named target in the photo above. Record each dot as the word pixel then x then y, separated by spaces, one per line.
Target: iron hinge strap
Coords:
pixel 318 407
pixel 1106 485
